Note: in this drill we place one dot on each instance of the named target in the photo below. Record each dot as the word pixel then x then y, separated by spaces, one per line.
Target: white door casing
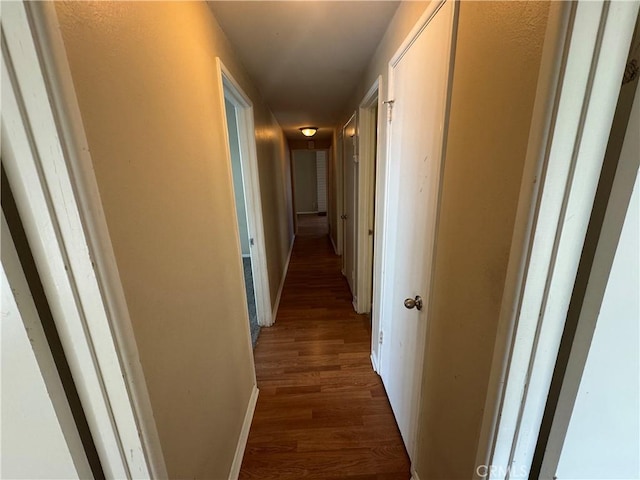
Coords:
pixel 339 179
pixel 584 54
pixel 368 148
pixel 371 117
pixel 49 168
pixel 587 423
pixel 419 89
pixel 40 438
pixel 231 89
pixel 350 212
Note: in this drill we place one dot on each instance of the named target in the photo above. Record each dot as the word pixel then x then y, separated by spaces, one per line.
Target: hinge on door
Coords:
pixel 389 104
pixel 251 242
pixel 380 339
pixel 355 158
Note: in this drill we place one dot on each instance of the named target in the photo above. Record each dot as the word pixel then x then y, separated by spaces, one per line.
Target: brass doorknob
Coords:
pixel 413 303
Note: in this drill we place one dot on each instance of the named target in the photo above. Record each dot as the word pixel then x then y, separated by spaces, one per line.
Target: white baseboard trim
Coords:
pixel 282 280
pixel 246 255
pixel 244 435
pixel 374 362
pixel 355 304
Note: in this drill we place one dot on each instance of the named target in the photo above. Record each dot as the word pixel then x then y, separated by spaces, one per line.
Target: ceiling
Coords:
pixel 306 57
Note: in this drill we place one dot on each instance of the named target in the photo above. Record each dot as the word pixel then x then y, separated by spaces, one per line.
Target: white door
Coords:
pixel 350 196
pixel 39 434
pixel 418 77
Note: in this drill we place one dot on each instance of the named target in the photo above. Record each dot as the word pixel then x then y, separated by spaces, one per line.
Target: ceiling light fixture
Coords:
pixel 309 131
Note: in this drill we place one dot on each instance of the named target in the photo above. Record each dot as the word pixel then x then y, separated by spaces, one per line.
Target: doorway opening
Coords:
pixel 246 188
pixel 350 215
pixel 368 126
pixel 32 337
pixel 241 215
pixel 309 171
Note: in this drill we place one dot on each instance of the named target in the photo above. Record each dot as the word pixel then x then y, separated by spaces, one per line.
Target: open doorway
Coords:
pixel 368 127
pixel 309 169
pixel 246 189
pixel 350 214
pixel 241 215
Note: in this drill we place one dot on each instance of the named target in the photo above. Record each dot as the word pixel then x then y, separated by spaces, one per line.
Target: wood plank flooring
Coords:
pixel 322 412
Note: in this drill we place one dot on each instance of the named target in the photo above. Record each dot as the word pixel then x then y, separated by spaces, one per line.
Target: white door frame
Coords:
pixel 343 187
pixel 230 88
pixel 332 195
pixel 49 168
pixel 368 124
pixel 614 200
pixel 337 151
pixel 67 451
pixel 381 221
pixel 584 56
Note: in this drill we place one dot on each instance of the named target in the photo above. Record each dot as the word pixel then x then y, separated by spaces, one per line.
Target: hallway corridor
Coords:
pixel 322 412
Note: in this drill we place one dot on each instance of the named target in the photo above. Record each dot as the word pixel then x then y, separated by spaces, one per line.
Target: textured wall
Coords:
pixel 306 181
pixel 498 52
pixel 147 86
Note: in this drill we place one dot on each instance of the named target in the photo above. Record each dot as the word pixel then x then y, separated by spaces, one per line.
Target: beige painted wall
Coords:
pixel 498 52
pixel 332 193
pixel 274 165
pixel 499 45
pixel 306 181
pixel 148 92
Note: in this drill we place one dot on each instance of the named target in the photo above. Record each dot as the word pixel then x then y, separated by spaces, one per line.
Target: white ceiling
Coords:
pixel 305 56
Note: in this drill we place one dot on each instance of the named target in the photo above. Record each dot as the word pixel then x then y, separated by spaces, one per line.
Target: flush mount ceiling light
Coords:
pixel 309 131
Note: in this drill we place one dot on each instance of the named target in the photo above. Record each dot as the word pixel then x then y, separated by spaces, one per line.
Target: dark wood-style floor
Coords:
pixel 322 412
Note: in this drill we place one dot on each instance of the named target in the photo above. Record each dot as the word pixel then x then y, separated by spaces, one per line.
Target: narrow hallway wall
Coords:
pixel 146 81
pixel 498 53
pixel 306 187
pixel 499 45
pixel 274 165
